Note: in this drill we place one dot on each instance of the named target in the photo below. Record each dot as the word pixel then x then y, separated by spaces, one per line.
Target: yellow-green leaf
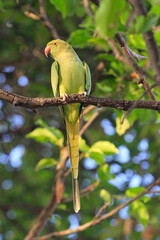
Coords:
pixel 139 211
pixel 45 135
pixel 66 7
pixel 104 172
pixel 83 145
pixel 121 128
pixel 105 147
pixel 107 16
pixel 105 195
pixel 98 156
pixel 133 192
pixel 45 163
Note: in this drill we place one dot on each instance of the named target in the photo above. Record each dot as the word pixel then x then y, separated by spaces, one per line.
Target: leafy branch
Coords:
pixel 98 219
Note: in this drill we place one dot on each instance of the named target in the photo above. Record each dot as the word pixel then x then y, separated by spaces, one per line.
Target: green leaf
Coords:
pixel 43 135
pixel 106 147
pixel 62 206
pixel 79 38
pixel 67 7
pixel 98 42
pixel 139 211
pixel 104 173
pixel 58 220
pixel 58 134
pixel 155 2
pixel 133 192
pixel 105 195
pixel 121 128
pixel 107 16
pixel 137 40
pixel 105 56
pixel 103 88
pixel 98 156
pixel 41 123
pixel 155 7
pixel 45 163
pixel 144 24
pixel 83 145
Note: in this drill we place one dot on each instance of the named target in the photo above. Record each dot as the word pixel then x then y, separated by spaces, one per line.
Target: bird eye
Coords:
pixel 55 44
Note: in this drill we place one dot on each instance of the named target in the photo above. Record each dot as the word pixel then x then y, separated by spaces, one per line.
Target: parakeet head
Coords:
pixel 56 47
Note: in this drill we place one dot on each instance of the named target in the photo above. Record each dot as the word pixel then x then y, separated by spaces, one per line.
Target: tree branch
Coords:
pixel 34 103
pixel 98 220
pixel 115 50
pixel 129 54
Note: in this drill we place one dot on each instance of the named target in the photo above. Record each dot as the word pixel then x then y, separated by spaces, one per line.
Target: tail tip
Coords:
pixel 76 198
pixel 76 209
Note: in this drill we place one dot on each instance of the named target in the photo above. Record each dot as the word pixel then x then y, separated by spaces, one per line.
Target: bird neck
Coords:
pixel 67 55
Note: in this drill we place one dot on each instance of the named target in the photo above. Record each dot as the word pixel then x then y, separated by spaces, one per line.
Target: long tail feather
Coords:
pixel 73 144
pixel 76 198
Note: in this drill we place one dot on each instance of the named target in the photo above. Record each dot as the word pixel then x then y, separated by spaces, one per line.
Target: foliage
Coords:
pixel 124 158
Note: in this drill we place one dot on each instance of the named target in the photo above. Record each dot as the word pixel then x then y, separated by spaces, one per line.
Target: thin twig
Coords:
pixel 147 87
pixel 128 53
pixel 88 109
pixel 135 55
pixel 151 192
pixel 101 210
pixel 32 15
pixel 88 123
pixel 94 222
pixel 115 50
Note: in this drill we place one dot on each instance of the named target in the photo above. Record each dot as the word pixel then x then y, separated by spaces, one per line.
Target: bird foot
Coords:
pixel 64 96
pixel 84 94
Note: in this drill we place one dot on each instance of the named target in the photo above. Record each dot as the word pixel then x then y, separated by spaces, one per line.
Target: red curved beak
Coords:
pixel 47 50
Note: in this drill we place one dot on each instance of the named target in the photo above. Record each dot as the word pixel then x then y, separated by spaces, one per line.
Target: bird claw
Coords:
pixel 84 94
pixel 64 96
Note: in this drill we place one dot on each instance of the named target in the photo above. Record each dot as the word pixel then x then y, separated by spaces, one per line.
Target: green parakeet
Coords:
pixel 69 75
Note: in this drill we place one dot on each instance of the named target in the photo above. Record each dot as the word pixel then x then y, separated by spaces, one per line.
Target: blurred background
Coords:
pixel 25 188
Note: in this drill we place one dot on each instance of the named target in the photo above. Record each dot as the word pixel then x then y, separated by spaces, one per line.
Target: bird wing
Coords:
pixel 55 79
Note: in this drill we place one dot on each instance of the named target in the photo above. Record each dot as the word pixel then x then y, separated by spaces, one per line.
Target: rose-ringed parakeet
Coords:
pixel 69 75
